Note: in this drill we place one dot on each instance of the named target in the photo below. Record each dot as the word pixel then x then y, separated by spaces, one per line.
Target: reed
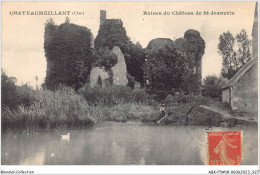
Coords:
pixel 66 109
pixel 59 109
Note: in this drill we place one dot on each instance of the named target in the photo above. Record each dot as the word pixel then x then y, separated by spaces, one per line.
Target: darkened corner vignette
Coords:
pixel 113 83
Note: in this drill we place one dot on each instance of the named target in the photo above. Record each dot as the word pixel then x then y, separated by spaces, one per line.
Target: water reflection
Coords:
pixel 130 143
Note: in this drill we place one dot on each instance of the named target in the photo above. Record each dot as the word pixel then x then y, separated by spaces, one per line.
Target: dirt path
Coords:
pixel 219 108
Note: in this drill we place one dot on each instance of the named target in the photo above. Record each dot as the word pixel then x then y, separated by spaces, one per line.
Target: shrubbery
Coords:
pixel 26 95
pixel 104 58
pixel 177 100
pixel 194 99
pixel 112 95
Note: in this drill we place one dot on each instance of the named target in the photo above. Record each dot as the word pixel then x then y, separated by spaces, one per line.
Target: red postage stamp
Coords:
pixel 224 147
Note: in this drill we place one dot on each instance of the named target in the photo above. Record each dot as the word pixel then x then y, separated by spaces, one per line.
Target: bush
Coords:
pixel 112 95
pixel 104 58
pixel 123 112
pixel 26 95
pixel 169 100
pixel 213 86
pixel 194 99
pixel 178 100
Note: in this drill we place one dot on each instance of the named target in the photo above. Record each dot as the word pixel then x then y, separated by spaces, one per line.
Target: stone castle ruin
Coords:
pixel 103 18
pixel 119 70
pixel 193 46
pixel 68 48
pixel 65 66
pixel 194 50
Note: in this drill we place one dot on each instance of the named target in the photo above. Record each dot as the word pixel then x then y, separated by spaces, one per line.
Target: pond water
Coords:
pixel 111 143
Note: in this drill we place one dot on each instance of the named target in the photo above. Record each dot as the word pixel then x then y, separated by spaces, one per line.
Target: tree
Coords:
pixel 104 58
pixel 9 93
pixel 243 53
pixel 163 70
pixel 213 86
pixel 226 50
pixel 26 95
pixel 135 61
pixel 233 60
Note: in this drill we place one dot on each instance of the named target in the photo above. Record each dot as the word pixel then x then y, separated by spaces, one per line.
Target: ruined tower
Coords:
pixel 103 17
pixel 111 36
pixel 194 51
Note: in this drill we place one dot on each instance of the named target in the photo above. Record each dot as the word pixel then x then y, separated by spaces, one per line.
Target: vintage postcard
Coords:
pixel 129 83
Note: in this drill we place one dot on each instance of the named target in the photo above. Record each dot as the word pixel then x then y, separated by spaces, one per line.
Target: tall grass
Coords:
pixel 58 109
pixel 66 109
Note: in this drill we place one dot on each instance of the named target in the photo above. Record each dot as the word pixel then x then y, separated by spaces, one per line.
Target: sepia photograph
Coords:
pixel 129 83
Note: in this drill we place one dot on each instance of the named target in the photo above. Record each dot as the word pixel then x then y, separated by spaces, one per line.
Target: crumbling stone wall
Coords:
pixel 119 70
pixel 112 36
pixel 159 43
pixel 193 47
pixel 68 48
pixel 95 73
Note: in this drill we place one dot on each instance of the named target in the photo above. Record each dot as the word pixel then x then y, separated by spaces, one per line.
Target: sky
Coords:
pixel 23 35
